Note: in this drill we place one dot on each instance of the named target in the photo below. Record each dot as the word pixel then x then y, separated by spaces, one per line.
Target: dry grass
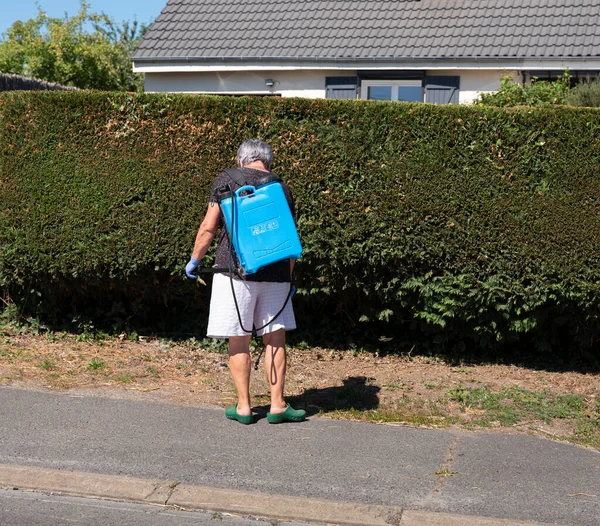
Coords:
pixel 409 390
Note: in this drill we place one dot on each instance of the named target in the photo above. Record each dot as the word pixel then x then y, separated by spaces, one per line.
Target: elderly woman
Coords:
pixel 259 296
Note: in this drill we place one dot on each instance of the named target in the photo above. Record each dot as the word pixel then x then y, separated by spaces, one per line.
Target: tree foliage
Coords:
pixel 88 50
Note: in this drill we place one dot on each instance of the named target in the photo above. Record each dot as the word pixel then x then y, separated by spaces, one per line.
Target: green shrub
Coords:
pixel 457 226
pixel 585 94
pixel 535 93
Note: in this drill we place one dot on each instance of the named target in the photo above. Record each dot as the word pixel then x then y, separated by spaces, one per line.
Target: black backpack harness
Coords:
pixel 226 191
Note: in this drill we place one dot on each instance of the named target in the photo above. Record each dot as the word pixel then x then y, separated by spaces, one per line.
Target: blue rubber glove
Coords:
pixel 190 267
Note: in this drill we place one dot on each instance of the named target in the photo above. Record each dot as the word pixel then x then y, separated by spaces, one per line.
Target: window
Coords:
pixel 412 86
pixel 404 90
pixel 577 76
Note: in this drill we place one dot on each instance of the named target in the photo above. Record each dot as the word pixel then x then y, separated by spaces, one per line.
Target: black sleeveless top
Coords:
pixel 275 272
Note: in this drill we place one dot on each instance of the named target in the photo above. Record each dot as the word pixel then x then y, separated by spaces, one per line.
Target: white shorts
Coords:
pixel 258 303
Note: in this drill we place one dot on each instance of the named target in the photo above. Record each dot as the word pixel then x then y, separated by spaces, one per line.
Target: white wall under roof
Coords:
pixel 474 82
pixel 310 84
pixel 300 83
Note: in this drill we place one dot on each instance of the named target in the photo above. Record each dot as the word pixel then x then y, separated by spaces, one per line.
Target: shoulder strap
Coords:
pixel 236 176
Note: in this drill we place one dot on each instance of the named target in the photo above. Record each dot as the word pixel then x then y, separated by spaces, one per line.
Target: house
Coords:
pixel 441 51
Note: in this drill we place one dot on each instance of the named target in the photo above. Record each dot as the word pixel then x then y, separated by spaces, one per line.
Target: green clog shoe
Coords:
pixel 232 414
pixel 289 415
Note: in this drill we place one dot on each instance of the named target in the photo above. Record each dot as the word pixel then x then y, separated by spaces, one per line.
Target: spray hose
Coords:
pixel 254 329
pixel 290 293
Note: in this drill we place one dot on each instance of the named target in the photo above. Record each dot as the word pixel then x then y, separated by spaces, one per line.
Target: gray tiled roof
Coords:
pixel 425 29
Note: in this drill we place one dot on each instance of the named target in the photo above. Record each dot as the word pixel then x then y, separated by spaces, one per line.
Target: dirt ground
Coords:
pixel 403 389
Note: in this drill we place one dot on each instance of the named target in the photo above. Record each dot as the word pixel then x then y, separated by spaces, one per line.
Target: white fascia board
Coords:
pixel 409 64
pixel 202 92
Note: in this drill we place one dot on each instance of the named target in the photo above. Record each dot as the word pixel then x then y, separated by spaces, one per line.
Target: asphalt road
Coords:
pixel 500 475
pixel 19 508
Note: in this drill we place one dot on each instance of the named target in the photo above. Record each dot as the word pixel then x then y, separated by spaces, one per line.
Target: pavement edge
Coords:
pixel 258 505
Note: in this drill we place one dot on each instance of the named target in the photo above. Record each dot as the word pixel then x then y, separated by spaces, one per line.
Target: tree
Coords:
pixel 535 93
pixel 88 50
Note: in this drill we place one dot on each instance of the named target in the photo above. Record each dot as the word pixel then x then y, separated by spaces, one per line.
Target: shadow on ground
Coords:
pixel 356 393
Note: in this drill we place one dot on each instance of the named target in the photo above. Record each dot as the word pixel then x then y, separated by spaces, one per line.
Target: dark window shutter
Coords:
pixel 341 87
pixel 442 90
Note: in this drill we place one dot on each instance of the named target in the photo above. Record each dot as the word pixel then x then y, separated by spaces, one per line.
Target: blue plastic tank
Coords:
pixel 261 226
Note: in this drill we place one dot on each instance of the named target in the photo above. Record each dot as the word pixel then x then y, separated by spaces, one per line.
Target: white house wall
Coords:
pixel 310 84
pixel 474 82
pixel 300 83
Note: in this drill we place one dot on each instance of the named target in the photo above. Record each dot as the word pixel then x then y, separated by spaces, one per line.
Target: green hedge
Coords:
pixel 452 225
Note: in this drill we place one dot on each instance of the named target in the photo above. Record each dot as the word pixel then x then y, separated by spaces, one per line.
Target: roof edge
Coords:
pixel 196 64
pixel 352 59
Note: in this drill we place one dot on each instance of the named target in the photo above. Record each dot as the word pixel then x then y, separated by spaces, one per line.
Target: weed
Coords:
pixel 458 393
pixel 9 316
pixel 390 415
pixel 588 432
pixel 47 365
pixel 193 343
pixel 514 404
pixel 215 345
pixel 398 385
pixel 153 372
pixel 588 426
pixel 165 344
pixel 17 354
pixel 57 336
pixel 427 359
pixel 95 365
pixel 125 378
pixel 466 370
pixel 88 332
pixel 12 319
pixel 445 472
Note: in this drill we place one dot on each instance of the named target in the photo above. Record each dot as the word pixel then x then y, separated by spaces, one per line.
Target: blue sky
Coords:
pixel 143 10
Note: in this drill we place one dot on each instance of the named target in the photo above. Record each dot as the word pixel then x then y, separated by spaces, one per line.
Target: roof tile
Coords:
pixel 424 29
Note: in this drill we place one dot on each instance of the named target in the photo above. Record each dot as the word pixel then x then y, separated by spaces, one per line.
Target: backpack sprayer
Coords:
pixel 259 222
pixel 260 228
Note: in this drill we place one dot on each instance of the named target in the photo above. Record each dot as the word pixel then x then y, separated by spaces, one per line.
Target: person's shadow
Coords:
pixel 356 393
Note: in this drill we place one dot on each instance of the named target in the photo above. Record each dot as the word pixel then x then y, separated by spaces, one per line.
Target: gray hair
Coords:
pixel 255 150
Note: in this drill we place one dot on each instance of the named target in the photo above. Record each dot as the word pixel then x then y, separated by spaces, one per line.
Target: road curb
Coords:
pixel 259 505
